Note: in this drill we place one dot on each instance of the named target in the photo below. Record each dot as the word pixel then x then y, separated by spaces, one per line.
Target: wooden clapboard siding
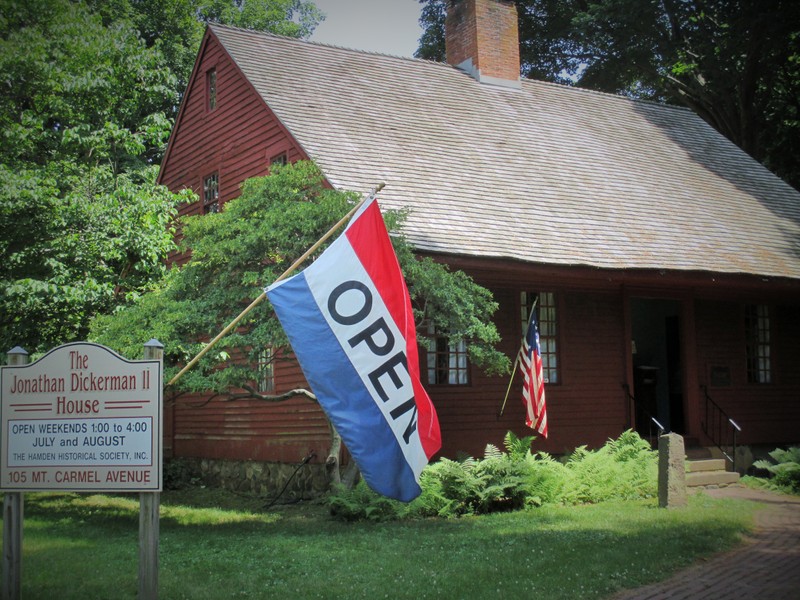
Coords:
pixel 252 429
pixel 237 141
pixel 768 413
pixel 588 406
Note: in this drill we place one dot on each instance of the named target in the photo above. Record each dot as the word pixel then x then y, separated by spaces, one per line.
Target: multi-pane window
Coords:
pixel 547 320
pixel 211 89
pixel 757 327
pixel 446 360
pixel 279 159
pixel 266 371
pixel 211 193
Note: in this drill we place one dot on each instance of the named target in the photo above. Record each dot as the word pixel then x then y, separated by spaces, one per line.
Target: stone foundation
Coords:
pixel 261 479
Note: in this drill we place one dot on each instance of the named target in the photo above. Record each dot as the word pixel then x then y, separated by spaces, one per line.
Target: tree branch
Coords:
pixel 251 394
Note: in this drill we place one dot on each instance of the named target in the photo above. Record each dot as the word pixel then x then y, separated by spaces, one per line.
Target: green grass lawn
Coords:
pixel 85 546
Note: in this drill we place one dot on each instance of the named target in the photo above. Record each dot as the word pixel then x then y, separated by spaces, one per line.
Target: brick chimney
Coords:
pixel 482 38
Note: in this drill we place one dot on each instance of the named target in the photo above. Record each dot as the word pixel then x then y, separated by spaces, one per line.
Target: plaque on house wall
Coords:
pixel 720 375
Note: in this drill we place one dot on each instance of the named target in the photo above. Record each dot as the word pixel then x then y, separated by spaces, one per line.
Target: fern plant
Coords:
pixel 624 468
pixel 518 448
pixel 361 503
pixel 514 479
pixel 503 484
pixel 785 470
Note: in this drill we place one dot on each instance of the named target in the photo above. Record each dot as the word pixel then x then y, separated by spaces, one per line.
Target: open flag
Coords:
pixel 349 320
pixel 530 361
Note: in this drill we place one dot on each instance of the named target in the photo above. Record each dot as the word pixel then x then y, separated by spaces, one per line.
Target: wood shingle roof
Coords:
pixel 544 174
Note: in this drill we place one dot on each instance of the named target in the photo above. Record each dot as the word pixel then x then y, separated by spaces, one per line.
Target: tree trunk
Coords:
pixel 351 475
pixel 333 465
pixel 332 462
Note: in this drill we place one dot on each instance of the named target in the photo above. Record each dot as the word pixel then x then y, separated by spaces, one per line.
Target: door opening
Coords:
pixel 658 383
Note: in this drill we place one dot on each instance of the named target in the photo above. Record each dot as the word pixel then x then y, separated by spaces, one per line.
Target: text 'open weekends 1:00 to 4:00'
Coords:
pixel 82 418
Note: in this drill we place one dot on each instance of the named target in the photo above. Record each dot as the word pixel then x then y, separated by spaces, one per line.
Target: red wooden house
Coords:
pixel 665 260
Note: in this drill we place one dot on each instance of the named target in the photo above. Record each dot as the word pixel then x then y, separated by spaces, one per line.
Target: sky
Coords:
pixel 385 26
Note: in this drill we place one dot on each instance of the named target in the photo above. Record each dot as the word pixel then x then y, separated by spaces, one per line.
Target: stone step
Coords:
pixel 709 464
pixel 708 478
pixel 698 452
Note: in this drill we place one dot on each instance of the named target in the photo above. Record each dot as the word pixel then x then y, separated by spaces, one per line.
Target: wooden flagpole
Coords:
pixel 516 362
pixel 508 389
pixel 283 276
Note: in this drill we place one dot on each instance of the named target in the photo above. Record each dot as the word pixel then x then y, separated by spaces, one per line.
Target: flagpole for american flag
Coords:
pixel 516 361
pixel 283 276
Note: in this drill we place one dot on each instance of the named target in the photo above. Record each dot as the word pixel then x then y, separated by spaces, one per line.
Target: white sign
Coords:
pixel 81 418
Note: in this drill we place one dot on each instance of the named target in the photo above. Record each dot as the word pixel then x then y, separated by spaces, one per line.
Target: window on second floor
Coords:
pixel 211 193
pixel 757 328
pixel 211 89
pixel 266 371
pixel 279 159
pixel 446 360
pixel 547 319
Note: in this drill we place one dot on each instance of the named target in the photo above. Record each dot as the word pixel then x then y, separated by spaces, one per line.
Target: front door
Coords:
pixel 656 347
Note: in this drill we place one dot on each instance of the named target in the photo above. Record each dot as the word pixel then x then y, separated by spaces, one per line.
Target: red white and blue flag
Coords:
pixel 349 320
pixel 530 361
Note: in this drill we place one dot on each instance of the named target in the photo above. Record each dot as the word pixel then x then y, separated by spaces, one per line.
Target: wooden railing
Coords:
pixel 720 428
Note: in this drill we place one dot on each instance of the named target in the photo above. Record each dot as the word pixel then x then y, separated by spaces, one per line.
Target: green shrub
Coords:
pixel 362 504
pixel 449 488
pixel 181 473
pixel 785 471
pixel 503 482
pixel 513 479
pixel 624 468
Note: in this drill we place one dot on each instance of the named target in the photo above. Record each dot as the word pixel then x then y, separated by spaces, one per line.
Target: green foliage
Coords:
pixel 784 471
pixel 518 448
pixel 66 257
pixel 78 93
pixel 454 304
pixel 180 474
pixel 625 468
pixel 449 488
pixel 247 246
pixel 176 27
pixel 362 504
pixel 90 90
pixel 83 227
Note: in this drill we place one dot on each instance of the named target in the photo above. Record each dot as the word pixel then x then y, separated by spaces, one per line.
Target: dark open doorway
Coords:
pixel 658 384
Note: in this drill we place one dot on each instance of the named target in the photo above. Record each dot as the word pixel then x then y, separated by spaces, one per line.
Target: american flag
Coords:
pixel 530 361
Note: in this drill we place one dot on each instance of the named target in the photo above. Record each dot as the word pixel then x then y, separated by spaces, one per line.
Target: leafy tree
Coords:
pixel 89 95
pixel 240 250
pixel 77 93
pixel 65 257
pixel 736 63
pixel 83 226
pixel 176 27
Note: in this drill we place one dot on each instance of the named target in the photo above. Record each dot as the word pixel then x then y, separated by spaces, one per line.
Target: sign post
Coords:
pixel 149 503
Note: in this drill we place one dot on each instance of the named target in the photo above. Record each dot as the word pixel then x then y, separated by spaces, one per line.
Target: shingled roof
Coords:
pixel 543 174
